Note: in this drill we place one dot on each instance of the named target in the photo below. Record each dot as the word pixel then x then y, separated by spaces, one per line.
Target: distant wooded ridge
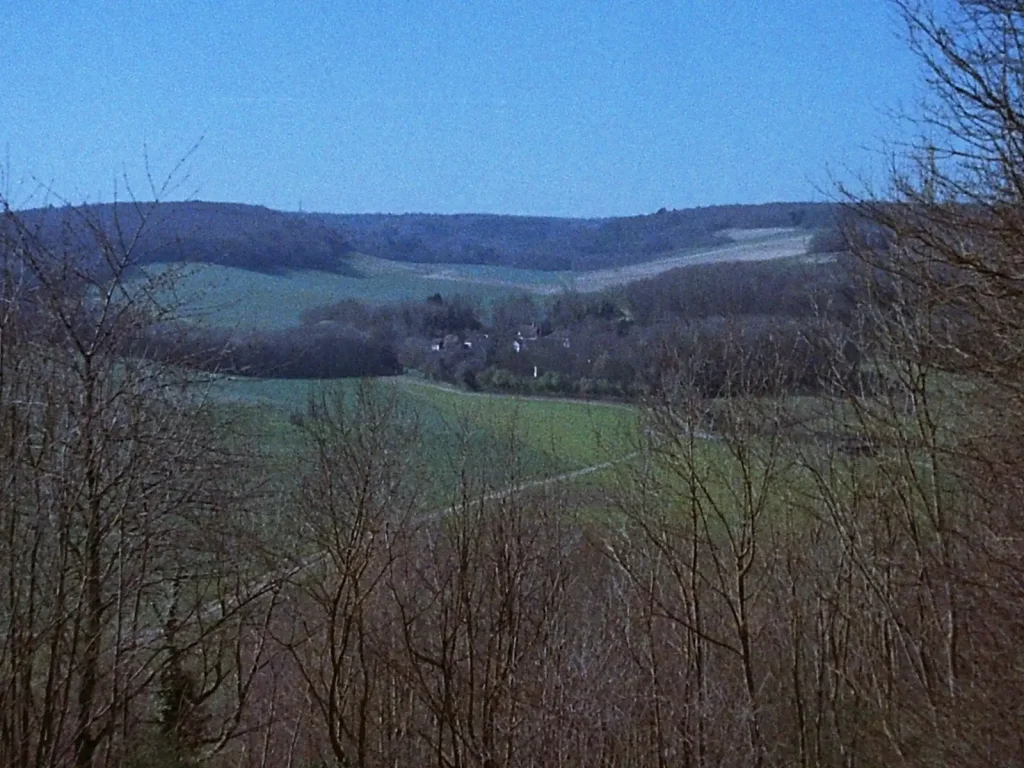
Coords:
pixel 264 240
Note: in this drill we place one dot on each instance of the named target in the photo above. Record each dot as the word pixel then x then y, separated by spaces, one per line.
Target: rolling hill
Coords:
pixel 565 244
pixel 277 242
pixel 241 236
pixel 229 296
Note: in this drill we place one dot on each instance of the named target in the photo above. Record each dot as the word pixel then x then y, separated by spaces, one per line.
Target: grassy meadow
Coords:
pixel 502 440
pixel 498 440
pixel 238 298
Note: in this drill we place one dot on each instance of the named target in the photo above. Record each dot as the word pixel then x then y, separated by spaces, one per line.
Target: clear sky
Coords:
pixel 585 108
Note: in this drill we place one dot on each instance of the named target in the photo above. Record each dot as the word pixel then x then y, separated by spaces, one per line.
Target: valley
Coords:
pixel 234 297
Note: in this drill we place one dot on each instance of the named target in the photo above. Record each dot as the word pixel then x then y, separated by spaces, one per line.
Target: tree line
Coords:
pixel 247 237
pixel 610 344
pixel 614 343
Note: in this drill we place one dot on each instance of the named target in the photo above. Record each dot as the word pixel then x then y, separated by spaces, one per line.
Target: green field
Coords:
pixel 498 440
pixel 481 433
pixel 232 297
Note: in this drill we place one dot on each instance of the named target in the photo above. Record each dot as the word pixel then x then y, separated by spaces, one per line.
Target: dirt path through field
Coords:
pixel 266 586
pixel 750 245
pixel 775 247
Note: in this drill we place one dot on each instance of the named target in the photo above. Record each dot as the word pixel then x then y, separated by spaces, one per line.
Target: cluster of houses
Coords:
pixel 475 344
pixel 452 341
pixel 525 334
pixel 530 333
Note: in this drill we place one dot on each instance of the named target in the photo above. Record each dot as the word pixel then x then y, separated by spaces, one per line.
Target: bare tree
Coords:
pixel 702 547
pixel 928 524
pixel 121 574
pixel 361 484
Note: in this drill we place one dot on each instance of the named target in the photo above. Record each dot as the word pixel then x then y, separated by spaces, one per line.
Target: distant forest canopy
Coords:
pixel 264 240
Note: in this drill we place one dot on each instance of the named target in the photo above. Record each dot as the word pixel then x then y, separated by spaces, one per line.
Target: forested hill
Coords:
pixel 264 240
pixel 246 236
pixel 558 243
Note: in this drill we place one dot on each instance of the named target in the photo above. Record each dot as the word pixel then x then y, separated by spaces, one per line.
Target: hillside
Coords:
pixel 276 242
pixel 237 298
pixel 243 236
pixel 563 244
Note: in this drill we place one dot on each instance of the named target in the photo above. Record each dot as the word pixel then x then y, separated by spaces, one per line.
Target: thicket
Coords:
pixel 129 551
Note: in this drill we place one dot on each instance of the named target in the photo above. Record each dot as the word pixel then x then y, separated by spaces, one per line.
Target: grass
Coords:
pixel 466 435
pixel 493 438
pixel 573 433
pixel 238 298
pixel 471 434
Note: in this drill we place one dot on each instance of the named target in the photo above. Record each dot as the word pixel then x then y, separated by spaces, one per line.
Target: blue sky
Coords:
pixel 556 108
